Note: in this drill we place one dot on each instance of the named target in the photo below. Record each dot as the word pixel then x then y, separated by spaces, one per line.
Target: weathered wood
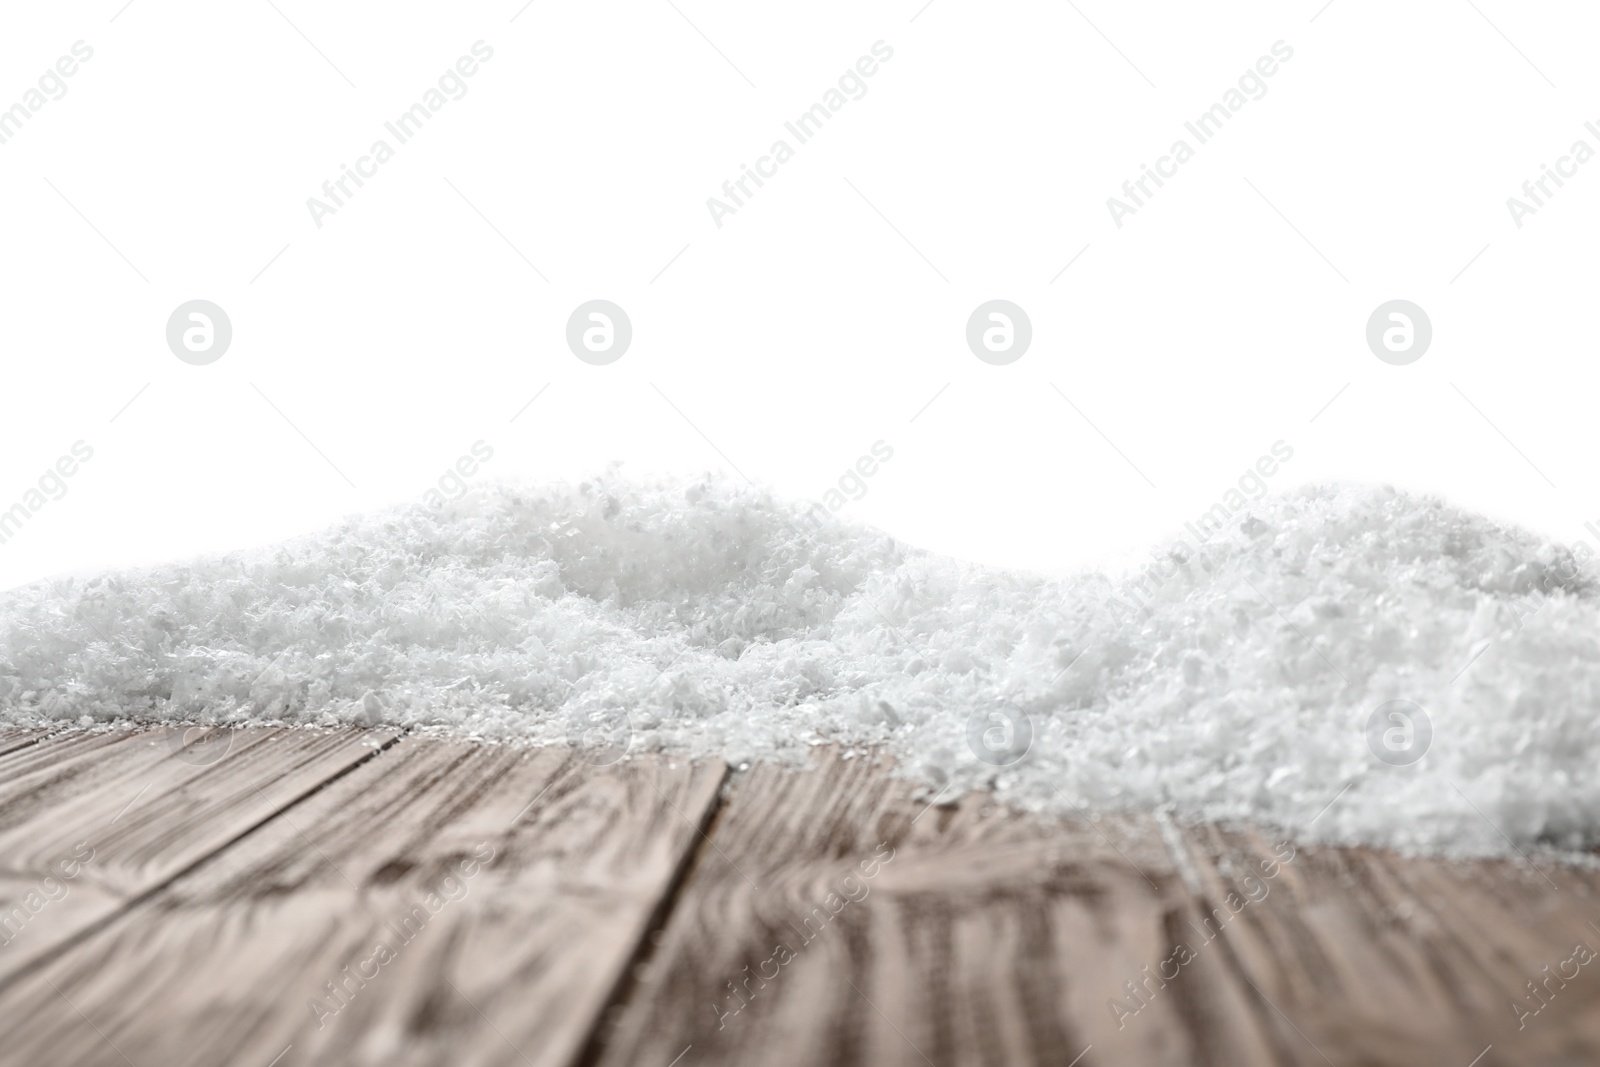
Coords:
pixel 997 938
pixel 981 937
pixel 826 915
pixel 37 750
pixel 92 821
pixel 13 738
pixel 1362 956
pixel 268 948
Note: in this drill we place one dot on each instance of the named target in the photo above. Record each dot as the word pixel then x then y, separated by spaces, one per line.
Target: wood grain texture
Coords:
pixel 825 915
pixel 13 738
pixel 269 949
pixel 993 937
pixel 1363 956
pixel 982 937
pixel 92 821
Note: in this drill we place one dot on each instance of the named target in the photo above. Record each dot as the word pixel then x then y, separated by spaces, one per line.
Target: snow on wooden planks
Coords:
pixel 533 909
pixel 12 738
pixel 982 936
pixel 1361 956
pixel 841 921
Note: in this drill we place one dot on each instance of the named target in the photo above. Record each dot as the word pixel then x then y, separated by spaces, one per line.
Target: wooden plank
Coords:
pixel 19 763
pixel 14 737
pixel 91 821
pixel 979 937
pixel 269 949
pixel 829 917
pixel 1369 957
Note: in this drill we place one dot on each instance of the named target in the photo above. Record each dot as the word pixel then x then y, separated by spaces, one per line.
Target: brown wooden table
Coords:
pixel 272 898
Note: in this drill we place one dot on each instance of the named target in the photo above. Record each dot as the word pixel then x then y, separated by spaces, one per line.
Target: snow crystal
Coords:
pixel 1232 678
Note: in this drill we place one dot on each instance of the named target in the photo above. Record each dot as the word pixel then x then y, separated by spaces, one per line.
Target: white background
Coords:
pixel 806 327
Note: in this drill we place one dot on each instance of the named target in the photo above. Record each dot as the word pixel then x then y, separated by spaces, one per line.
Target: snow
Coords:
pixel 1233 681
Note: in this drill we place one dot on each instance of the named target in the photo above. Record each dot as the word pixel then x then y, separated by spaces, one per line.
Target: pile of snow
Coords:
pixel 1233 679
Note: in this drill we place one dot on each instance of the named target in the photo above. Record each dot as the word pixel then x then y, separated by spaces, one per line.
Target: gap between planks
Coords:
pixel 221 962
pixel 610 928
pixel 101 912
pixel 629 981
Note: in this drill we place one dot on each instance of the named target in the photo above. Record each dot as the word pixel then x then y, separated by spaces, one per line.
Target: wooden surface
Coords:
pixel 534 909
pixel 128 812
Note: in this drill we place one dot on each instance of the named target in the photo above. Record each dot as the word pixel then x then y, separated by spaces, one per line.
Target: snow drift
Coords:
pixel 1232 679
